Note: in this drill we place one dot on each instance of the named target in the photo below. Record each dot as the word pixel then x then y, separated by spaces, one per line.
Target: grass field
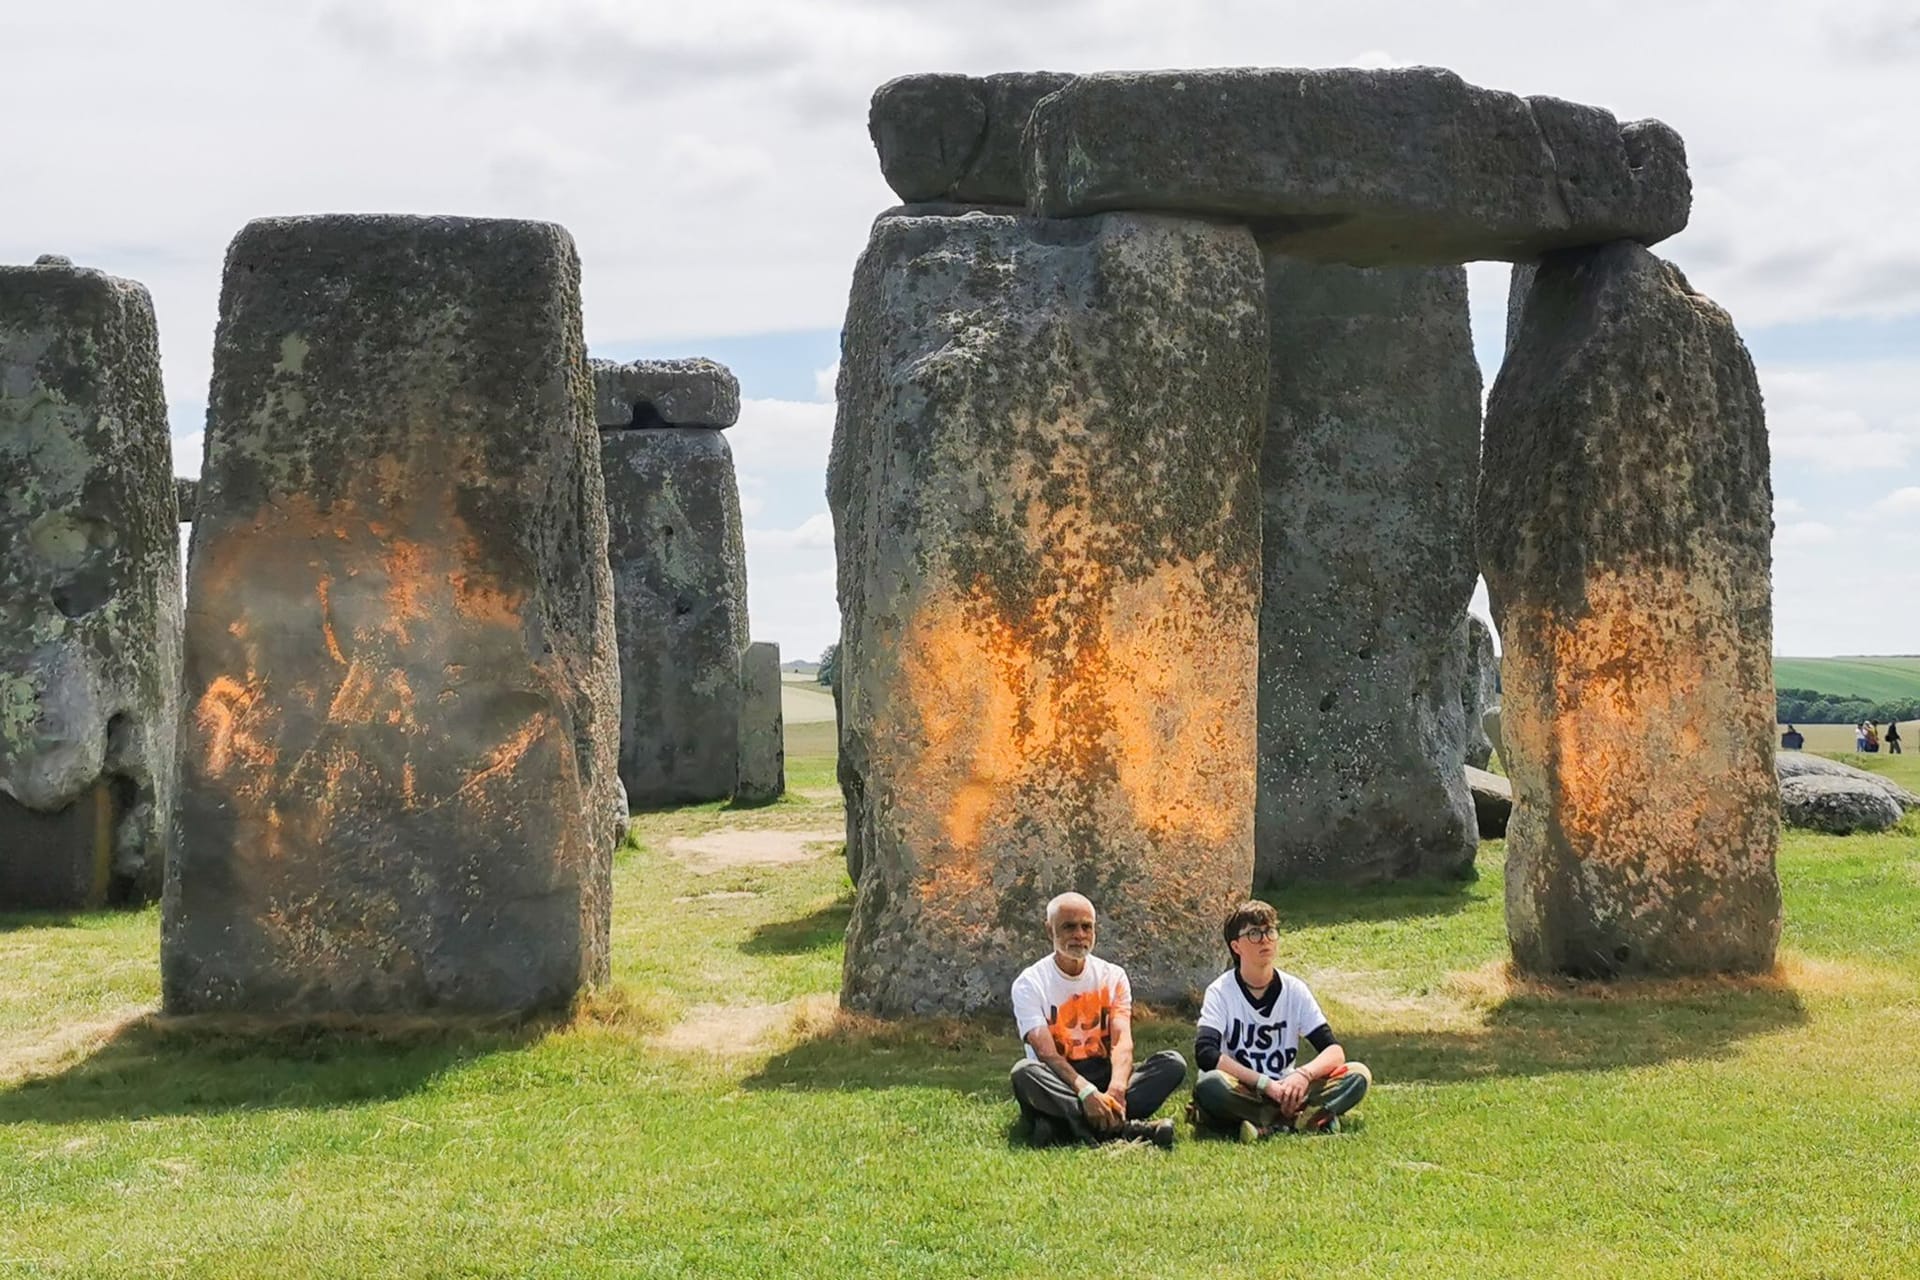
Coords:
pixel 712 1115
pixel 1875 679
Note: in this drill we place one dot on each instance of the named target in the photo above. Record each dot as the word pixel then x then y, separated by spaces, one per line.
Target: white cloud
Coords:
pixel 187 451
pixel 825 380
pixel 815 533
pixel 1805 533
pixel 1904 501
pixel 1845 417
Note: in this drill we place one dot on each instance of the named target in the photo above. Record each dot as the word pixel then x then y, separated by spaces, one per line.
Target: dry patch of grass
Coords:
pixel 745 1030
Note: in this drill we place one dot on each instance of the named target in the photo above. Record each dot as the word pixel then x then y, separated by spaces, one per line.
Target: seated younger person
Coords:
pixel 1252 1022
pixel 1078 1081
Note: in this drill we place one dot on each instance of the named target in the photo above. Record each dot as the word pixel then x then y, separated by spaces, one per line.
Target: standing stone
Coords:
pixel 1045 484
pixel 397 754
pixel 1480 693
pixel 679 574
pixel 1410 165
pixel 185 494
pixel 89 591
pixel 763 753
pixel 1625 521
pixel 1372 445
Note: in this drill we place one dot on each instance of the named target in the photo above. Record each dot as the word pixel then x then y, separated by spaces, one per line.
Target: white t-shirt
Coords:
pixel 1266 1042
pixel 1078 1011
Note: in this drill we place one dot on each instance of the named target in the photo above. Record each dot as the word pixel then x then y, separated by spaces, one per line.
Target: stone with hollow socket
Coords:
pixel 690 392
pixel 1372 446
pixel 1410 165
pixel 680 600
pixel 398 792
pixel 762 756
pixel 89 591
pixel 1625 523
pixel 1045 489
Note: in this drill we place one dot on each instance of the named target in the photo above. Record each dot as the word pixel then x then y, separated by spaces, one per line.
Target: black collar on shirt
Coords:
pixel 1264 1004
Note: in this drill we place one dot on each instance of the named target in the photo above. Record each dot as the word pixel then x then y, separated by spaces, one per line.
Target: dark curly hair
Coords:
pixel 1251 912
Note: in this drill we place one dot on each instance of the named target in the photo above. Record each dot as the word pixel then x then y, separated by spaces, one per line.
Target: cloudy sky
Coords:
pixel 711 160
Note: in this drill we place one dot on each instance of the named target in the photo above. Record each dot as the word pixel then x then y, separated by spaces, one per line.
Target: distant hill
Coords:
pixel 1874 679
pixel 801 668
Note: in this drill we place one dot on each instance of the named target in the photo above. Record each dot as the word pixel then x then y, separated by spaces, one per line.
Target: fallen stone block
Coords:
pixel 1835 805
pixel 1045 489
pixel 1800 764
pixel 89 591
pixel 1625 526
pixel 1368 472
pixel 398 792
pixel 1492 802
pixel 1409 165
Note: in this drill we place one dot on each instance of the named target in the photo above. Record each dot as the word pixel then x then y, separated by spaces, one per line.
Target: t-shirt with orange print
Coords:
pixel 1078 1011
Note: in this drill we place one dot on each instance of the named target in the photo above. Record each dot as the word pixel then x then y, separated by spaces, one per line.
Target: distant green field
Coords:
pixel 1875 679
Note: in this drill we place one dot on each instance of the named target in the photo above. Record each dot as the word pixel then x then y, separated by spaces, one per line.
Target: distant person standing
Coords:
pixel 1893 738
pixel 1793 739
pixel 1860 737
pixel 1873 740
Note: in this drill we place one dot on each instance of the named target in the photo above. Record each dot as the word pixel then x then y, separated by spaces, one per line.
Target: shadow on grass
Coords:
pixel 22 921
pixel 1314 905
pixel 1543 1035
pixel 1522 1036
pixel 149 1069
pixel 811 932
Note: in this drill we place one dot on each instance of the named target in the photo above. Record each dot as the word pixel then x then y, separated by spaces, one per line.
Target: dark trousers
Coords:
pixel 1040 1092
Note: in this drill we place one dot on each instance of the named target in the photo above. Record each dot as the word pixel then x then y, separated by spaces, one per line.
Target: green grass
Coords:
pixel 677 1128
pixel 1875 679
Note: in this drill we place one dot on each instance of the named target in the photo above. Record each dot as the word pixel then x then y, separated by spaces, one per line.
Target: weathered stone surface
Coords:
pixel 1837 806
pixel 954 137
pixel 680 606
pixel 1800 764
pixel 1492 802
pixel 1044 481
pixel 1481 692
pixel 849 779
pixel 1409 165
pixel 89 591
pixel 398 791
pixel 763 752
pixel 692 392
pixel 1372 445
pixel 1625 523
pixel 1490 725
pixel 186 492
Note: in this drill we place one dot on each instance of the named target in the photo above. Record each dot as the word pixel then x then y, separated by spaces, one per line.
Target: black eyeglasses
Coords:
pixel 1259 933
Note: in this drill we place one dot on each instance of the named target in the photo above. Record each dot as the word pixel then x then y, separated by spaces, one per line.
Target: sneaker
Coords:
pixel 1250 1132
pixel 1040 1132
pixel 1158 1132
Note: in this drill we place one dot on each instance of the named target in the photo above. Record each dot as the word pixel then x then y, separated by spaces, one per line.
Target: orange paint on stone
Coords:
pixel 405 579
pixel 1151 706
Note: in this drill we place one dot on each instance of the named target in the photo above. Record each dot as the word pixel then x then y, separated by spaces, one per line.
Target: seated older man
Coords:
pixel 1078 1082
